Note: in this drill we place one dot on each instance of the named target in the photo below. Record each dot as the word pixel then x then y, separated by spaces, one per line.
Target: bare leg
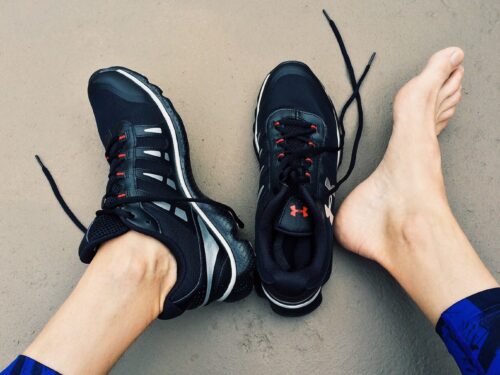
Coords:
pixel 400 215
pixel 119 295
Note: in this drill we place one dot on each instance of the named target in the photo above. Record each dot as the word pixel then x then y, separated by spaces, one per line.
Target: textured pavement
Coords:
pixel 210 58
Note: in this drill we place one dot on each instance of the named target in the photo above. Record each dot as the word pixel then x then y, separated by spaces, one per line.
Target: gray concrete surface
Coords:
pixel 210 58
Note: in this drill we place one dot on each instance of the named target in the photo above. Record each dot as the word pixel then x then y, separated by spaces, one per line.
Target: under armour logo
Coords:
pixel 294 211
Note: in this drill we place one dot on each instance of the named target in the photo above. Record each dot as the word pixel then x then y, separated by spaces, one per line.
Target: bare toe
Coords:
pixel 419 101
pixel 449 102
pixel 440 126
pixel 446 115
pixel 451 85
pixel 441 65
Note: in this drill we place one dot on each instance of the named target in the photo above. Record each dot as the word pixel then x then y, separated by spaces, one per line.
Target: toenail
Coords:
pixel 455 58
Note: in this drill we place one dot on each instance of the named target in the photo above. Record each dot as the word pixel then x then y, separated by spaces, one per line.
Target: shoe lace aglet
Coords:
pixel 372 58
pixel 327 16
pixel 240 223
pixel 39 161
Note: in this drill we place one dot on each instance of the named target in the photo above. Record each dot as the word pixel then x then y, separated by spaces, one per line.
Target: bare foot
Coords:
pixel 409 178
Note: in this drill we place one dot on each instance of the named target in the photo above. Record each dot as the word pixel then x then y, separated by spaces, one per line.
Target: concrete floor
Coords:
pixel 210 58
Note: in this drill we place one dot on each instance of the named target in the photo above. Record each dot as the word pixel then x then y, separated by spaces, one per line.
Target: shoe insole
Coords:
pixel 292 252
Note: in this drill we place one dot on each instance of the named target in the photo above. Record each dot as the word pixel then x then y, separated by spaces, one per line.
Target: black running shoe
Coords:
pixel 151 190
pixel 298 142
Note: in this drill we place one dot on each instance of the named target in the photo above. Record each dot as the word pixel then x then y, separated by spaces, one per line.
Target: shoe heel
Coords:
pixel 244 281
pixel 258 285
pixel 297 312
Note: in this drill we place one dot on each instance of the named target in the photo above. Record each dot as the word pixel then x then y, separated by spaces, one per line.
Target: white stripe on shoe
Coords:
pixel 182 179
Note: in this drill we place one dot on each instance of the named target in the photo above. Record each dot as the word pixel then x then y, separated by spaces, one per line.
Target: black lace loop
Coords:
pixel 295 140
pixel 119 211
pixel 297 148
pixel 115 155
pixel 59 197
pixel 356 85
pixel 159 198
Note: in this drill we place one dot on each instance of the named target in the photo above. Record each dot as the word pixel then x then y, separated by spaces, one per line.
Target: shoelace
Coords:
pixel 293 160
pixel 298 150
pixel 115 156
pixel 354 96
pixel 296 159
pixel 118 211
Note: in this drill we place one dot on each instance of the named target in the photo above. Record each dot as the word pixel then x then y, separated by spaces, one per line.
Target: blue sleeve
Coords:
pixel 23 365
pixel 470 330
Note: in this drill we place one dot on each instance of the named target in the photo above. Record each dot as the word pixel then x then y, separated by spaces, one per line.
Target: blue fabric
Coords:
pixel 26 366
pixel 470 330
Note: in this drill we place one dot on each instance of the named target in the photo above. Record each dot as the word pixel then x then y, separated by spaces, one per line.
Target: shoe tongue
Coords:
pixel 102 229
pixel 295 218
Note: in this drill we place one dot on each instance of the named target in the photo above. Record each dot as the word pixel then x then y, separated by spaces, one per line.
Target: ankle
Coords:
pixel 434 262
pixel 411 231
pixel 135 261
